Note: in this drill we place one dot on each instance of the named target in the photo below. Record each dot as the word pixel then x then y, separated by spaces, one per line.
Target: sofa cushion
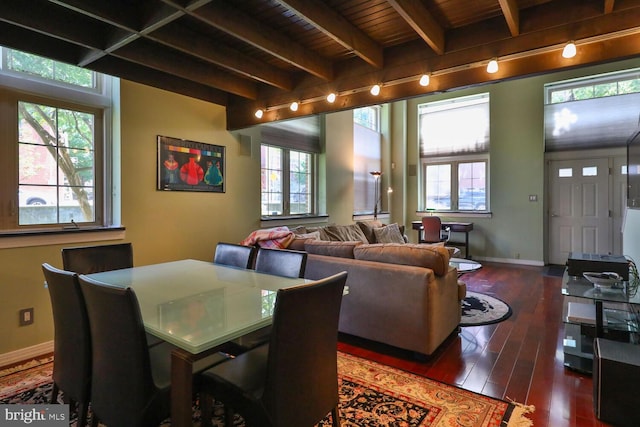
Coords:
pixel 421 255
pixel 336 249
pixel 367 228
pixel 345 233
pixel 388 234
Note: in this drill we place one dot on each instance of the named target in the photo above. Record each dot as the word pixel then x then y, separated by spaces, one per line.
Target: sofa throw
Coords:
pixel 434 257
pixel 278 238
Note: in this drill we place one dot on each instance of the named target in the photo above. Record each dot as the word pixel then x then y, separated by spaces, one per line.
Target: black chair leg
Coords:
pixel 54 393
pixel 83 409
pixel 228 416
pixel 335 416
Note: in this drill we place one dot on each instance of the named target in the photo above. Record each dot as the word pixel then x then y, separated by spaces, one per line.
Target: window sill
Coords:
pixel 22 239
pixel 277 221
pixel 456 214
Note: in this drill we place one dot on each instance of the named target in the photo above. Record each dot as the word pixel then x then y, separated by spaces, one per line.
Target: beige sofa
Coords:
pixel 403 295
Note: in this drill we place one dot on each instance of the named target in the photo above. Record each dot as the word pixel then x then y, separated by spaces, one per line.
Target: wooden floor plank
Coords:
pixel 520 358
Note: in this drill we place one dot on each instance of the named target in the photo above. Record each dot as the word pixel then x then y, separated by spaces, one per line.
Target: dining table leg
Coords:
pixel 181 388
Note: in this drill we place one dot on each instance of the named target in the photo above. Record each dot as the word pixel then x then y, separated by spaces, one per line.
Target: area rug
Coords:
pixel 480 309
pixel 372 394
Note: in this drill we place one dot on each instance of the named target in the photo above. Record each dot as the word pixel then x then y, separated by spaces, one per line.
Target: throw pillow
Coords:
pixel 367 228
pixel 388 234
pixel 336 249
pixel 433 257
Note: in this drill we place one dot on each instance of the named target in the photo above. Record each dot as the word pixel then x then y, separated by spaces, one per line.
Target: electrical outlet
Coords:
pixel 26 316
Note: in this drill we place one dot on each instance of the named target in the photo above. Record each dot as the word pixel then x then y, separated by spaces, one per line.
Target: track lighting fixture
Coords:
pixel 492 66
pixel 569 50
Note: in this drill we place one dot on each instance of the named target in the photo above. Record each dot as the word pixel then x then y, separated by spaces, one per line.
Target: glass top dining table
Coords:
pixel 198 306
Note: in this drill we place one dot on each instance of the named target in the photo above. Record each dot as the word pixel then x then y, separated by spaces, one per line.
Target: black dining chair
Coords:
pixel 100 258
pixel 131 382
pixel 293 380
pixel 72 340
pixel 235 255
pixel 96 259
pixel 279 262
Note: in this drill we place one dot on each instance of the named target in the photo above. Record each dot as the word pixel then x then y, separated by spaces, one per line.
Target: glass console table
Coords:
pixel 591 312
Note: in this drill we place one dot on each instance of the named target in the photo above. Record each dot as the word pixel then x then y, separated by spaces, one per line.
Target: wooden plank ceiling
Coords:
pixel 264 54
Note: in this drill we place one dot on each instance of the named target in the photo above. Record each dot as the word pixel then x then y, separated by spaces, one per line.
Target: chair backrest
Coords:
pixel 302 368
pixel 281 262
pixel 123 392
pixel 95 259
pixel 235 255
pixel 72 338
pixel 431 229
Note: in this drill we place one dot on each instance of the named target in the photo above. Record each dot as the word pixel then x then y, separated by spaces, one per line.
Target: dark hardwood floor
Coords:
pixel 519 359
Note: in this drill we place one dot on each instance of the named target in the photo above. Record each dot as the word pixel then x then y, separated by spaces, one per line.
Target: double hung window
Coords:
pixel 53 144
pixel 288 159
pixel 454 154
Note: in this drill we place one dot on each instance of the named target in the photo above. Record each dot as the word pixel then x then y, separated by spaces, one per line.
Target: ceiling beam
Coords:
pixel 422 22
pixel 338 28
pixel 512 15
pixel 252 31
pixel 150 55
pixel 192 43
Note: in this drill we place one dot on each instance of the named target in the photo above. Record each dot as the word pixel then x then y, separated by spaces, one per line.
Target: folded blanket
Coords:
pixel 278 237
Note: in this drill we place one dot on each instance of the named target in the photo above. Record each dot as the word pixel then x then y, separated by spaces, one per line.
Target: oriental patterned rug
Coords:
pixel 371 394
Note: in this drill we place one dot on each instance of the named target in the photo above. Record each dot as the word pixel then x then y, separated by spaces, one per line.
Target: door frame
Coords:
pixel 613 155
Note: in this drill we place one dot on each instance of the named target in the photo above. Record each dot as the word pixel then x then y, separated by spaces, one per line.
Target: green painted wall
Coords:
pixel 171 225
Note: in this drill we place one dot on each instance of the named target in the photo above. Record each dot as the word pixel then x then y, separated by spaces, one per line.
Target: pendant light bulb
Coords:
pixel 424 80
pixel 331 98
pixel 375 90
pixel 294 106
pixel 259 113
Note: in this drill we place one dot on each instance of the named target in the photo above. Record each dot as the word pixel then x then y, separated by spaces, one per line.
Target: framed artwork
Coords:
pixel 190 166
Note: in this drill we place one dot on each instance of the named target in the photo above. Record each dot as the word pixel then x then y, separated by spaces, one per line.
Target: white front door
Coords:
pixel 579 214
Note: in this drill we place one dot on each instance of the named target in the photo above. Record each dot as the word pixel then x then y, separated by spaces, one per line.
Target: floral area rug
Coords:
pixel 371 394
pixel 480 309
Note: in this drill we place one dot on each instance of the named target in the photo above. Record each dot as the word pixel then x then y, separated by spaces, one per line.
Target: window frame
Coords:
pixel 98 100
pixel 454 162
pixel 286 183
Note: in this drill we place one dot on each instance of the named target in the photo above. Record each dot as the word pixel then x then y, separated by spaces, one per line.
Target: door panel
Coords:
pixel 579 208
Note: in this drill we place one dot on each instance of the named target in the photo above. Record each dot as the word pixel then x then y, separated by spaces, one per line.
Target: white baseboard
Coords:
pixel 25 354
pixel 511 261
